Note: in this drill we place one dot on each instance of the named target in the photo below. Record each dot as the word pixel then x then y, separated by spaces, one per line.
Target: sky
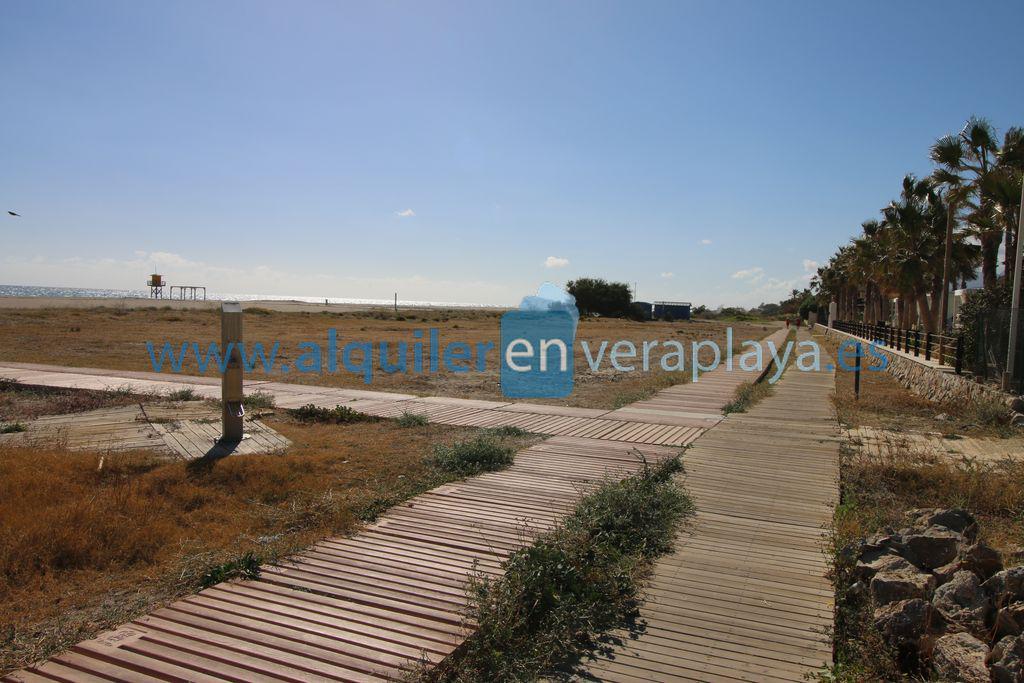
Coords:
pixel 713 152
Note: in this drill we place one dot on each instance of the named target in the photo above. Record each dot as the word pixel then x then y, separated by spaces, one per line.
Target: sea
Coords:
pixel 24 290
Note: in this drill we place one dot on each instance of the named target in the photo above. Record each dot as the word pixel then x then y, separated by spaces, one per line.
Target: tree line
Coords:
pixel 938 231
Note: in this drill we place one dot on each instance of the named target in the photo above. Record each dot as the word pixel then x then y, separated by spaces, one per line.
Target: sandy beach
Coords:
pixel 30 302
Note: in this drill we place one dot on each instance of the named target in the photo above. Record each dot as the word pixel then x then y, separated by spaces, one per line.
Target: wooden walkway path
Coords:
pixel 744 597
pixel 673 417
pixel 369 606
pixel 182 430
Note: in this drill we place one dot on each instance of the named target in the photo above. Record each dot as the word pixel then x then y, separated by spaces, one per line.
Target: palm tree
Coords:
pixel 905 256
pixel 989 172
pixel 956 193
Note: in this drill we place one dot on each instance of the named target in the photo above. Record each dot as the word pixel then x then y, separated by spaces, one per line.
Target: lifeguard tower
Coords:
pixel 156 286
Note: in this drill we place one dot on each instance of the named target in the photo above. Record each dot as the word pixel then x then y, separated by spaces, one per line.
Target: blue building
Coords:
pixel 676 310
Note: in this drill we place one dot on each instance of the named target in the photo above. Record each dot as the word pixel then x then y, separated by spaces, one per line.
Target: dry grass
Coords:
pixel 84 548
pixel 116 339
pixel 885 403
pixel 21 402
pixel 879 489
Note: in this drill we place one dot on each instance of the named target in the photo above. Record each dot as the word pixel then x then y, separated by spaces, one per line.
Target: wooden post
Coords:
pixel 231 396
pixel 396 302
pixel 856 373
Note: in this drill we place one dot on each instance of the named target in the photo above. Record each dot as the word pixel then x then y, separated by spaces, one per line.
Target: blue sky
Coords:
pixel 709 151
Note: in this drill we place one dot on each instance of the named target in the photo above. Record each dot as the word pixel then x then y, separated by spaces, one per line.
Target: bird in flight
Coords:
pixel 14 214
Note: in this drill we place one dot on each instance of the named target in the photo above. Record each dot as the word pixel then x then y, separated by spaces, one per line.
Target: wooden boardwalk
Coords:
pixel 975 450
pixel 187 430
pixel 744 597
pixel 369 606
pixel 673 417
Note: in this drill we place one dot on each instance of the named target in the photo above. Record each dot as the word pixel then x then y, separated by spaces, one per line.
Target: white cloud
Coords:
pixel 555 262
pixel 668 276
pixel 810 266
pixel 705 241
pixel 407 213
pixel 754 274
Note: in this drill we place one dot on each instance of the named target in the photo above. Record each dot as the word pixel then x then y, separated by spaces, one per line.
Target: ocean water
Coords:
pixel 23 290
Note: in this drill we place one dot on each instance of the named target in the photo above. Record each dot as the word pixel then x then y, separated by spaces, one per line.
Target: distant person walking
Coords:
pixel 787 323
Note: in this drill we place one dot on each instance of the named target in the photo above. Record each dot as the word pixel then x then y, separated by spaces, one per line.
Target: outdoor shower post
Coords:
pixel 232 411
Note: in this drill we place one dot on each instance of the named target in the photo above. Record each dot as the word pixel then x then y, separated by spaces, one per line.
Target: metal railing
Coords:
pixel 944 349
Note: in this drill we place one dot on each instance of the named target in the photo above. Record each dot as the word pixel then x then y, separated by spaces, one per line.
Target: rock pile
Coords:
pixel 940 595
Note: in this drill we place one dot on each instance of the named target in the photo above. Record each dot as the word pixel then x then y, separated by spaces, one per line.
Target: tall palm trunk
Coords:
pixel 947 263
pixel 989 257
pixel 923 314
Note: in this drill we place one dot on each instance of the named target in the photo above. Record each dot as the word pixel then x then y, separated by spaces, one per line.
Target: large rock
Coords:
pixel 1006 586
pixel 903 622
pixel 962 602
pixel 960 657
pixel 946 572
pixel 954 519
pixel 981 559
pixel 1006 661
pixel 887 539
pixel 1009 620
pixel 902 584
pixel 884 560
pixel 934 547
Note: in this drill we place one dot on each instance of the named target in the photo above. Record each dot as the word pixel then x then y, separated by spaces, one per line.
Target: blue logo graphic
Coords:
pixel 537 345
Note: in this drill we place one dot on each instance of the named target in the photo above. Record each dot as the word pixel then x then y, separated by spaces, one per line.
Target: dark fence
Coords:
pixel 986 345
pixel 942 348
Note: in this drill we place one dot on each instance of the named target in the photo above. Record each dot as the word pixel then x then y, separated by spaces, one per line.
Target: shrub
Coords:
pixel 247 567
pixel 12 428
pixel 990 412
pixel 408 419
pixel 507 431
pixel 259 399
pixel 570 584
pixel 186 394
pixel 336 415
pixel 466 458
pixel 746 395
pixel 597 296
pixel 639 312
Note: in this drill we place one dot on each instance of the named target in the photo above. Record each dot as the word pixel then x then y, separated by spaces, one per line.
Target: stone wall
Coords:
pixel 931 382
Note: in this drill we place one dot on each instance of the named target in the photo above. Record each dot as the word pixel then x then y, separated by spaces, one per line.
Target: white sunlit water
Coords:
pixel 81 292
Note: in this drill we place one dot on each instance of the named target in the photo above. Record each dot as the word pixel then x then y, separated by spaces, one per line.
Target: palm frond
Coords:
pixel 948 151
pixel 980 134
